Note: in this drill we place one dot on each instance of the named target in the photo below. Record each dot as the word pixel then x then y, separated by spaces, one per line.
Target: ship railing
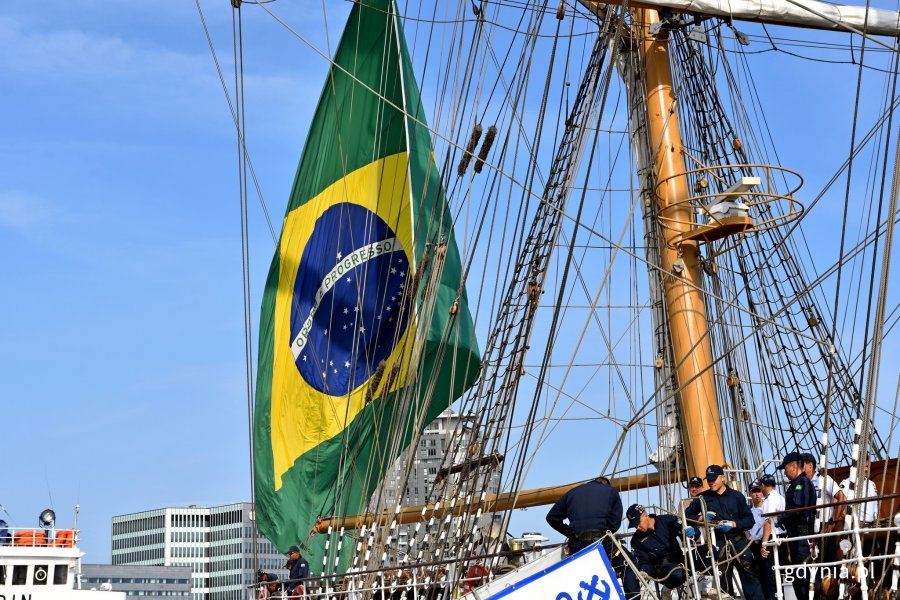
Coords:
pixel 31 537
pixel 421 579
pixel 856 569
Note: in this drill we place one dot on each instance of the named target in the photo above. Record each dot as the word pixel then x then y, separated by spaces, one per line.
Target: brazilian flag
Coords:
pixel 364 320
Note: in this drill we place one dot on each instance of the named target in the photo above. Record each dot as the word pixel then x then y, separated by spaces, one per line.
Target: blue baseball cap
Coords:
pixel 713 471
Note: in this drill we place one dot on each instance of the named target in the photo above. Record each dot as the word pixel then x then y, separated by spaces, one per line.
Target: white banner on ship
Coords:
pixel 584 576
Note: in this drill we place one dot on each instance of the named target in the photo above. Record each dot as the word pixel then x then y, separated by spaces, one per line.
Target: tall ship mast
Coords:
pixel 569 227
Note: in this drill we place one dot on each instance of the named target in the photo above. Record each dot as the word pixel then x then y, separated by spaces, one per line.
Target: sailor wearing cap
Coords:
pixel 773 502
pixel 655 546
pixel 828 491
pixel 756 502
pixel 727 512
pixel 755 534
pixel 701 553
pixel 695 486
pixel 299 569
pixel 799 493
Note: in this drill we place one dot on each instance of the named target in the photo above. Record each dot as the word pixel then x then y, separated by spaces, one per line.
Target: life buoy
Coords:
pixel 476 576
pixel 65 538
pixel 30 537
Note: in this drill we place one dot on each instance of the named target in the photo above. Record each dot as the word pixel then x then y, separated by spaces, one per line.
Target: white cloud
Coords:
pixel 65 53
pixel 18 210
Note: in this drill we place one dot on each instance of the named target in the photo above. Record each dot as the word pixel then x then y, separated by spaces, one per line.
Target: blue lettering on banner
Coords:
pixel 591 589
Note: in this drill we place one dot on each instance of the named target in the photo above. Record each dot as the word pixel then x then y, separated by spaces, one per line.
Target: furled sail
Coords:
pixel 365 333
pixel 799 13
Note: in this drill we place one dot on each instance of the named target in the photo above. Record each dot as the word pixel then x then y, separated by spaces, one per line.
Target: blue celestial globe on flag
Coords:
pixel 350 308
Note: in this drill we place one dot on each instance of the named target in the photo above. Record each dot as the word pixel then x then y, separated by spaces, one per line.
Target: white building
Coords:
pixel 215 542
pixel 433 445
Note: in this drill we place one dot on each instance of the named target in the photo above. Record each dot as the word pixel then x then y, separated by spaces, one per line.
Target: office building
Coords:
pixel 139 582
pixel 215 542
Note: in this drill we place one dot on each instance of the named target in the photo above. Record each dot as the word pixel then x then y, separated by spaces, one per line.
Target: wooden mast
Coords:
pixel 700 423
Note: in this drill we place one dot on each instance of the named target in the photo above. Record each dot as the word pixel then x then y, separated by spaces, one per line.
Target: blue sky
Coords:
pixel 122 373
pixel 123 378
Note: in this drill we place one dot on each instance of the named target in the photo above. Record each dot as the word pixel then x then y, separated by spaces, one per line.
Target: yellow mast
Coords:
pixel 700 423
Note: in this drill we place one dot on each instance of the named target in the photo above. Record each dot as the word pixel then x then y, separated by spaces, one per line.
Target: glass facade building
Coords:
pixel 215 542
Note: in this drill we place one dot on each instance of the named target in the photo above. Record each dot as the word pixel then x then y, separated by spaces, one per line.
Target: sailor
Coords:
pixel 701 552
pixel 755 534
pixel 829 492
pixel 695 486
pixel 773 502
pixel 299 570
pixel 756 502
pixel 593 510
pixel 655 546
pixel 269 589
pixel 867 512
pixel 726 511
pixel 799 493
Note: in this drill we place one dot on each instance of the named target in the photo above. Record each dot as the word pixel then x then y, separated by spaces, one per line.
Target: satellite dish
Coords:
pixel 106 586
pixel 47 518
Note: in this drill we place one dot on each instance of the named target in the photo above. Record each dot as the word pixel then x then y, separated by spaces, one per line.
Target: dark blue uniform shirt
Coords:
pixel 730 505
pixel 591 505
pixel 799 493
pixel 658 545
pixel 299 570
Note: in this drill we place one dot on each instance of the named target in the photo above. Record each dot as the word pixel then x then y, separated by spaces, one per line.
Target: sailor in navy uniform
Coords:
pixel 593 509
pixel 798 494
pixel 655 546
pixel 299 570
pixel 728 513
